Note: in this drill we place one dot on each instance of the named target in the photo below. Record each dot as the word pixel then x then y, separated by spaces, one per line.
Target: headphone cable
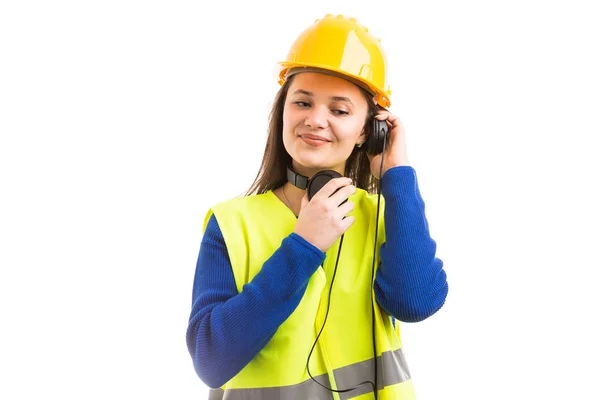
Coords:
pixel 374 385
pixel 323 326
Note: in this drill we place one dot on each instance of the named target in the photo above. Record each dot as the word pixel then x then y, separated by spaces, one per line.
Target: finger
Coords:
pixel 347 223
pixel 330 187
pixel 382 115
pixel 393 120
pixel 345 208
pixel 341 195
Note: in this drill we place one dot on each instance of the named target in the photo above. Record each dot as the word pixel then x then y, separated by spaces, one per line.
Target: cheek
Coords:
pixel 291 120
pixel 287 131
pixel 350 131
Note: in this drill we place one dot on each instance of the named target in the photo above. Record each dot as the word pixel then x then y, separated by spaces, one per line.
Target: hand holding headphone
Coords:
pixel 322 219
pixel 395 154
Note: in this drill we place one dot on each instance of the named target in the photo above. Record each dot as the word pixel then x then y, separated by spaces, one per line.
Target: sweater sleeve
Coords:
pixel 411 283
pixel 226 329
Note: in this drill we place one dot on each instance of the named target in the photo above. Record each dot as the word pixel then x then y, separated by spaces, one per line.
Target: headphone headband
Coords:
pixel 296 179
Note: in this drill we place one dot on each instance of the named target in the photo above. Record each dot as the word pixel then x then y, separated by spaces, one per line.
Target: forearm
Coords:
pixel 411 283
pixel 226 328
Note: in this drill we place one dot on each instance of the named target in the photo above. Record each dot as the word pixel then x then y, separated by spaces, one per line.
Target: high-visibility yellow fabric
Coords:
pixel 253 228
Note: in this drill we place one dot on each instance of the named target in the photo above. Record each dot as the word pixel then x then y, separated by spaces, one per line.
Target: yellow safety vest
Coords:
pixel 253 228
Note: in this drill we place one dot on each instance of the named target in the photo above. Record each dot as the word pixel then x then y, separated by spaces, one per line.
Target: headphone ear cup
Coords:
pixel 319 180
pixel 376 139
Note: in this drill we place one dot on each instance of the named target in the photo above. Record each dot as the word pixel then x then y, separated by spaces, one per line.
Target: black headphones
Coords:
pixel 378 137
pixel 375 144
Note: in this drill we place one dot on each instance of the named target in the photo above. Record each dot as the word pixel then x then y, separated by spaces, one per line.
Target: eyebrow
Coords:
pixel 334 98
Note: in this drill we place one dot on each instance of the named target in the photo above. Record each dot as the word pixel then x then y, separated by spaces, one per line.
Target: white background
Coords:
pixel 122 121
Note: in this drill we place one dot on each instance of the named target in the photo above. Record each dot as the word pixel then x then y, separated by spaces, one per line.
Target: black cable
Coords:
pixel 373 265
pixel 373 384
pixel 323 326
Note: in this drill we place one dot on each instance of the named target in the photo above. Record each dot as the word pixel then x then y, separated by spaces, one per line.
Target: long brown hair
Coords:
pixel 273 168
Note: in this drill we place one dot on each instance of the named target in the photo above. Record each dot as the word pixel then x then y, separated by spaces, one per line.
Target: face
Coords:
pixel 323 119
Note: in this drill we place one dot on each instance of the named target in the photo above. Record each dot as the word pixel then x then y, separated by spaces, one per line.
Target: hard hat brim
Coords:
pixel 290 68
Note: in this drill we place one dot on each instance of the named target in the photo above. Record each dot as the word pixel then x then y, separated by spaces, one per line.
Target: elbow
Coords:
pixel 208 374
pixel 413 307
pixel 207 379
pixel 420 311
pixel 208 371
pixel 412 314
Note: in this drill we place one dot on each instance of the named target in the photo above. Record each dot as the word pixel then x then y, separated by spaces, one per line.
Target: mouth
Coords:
pixel 314 140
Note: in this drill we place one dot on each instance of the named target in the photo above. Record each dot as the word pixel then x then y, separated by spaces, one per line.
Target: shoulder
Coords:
pixel 241 205
pixel 244 202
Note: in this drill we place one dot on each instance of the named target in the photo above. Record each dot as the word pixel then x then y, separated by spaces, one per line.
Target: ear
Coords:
pixel 362 138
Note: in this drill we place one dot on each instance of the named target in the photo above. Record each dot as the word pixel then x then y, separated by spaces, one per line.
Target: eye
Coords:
pixel 302 104
pixel 340 112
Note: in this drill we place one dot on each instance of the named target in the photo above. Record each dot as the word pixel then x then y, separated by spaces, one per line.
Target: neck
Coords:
pixel 294 196
pixel 309 172
pixel 295 188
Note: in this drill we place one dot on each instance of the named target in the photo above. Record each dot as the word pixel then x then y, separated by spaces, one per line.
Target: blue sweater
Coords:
pixel 227 329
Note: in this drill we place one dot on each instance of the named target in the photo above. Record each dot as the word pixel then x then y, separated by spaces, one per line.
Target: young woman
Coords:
pixel 300 285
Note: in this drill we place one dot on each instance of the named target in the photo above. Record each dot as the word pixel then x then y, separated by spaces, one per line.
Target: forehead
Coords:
pixel 323 85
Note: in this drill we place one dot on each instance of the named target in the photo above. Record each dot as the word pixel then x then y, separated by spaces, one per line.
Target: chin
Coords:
pixel 313 163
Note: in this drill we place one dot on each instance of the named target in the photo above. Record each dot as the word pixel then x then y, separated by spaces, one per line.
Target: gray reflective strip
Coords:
pixel 215 394
pixel 391 369
pixel 305 390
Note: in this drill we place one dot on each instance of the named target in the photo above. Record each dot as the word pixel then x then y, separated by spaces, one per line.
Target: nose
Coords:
pixel 317 118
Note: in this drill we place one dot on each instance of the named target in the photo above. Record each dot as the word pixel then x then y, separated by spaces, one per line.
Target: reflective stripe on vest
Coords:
pixel 392 365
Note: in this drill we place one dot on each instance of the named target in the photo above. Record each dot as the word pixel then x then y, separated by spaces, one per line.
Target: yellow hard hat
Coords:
pixel 341 45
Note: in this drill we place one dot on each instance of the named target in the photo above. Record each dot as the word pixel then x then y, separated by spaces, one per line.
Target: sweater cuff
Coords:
pixel 314 250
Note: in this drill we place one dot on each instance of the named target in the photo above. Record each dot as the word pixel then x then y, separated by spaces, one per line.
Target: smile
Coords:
pixel 313 141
